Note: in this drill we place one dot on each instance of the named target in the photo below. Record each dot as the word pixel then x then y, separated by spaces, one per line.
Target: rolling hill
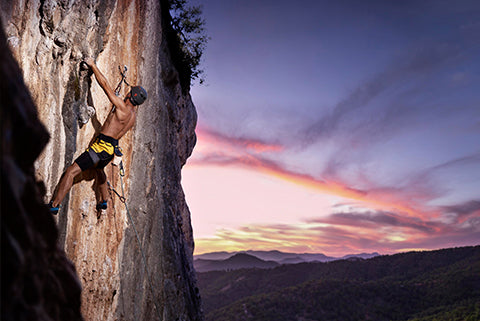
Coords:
pixel 434 285
pixel 218 261
pixel 237 261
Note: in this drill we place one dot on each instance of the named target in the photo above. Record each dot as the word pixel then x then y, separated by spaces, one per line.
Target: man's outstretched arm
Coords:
pixel 102 81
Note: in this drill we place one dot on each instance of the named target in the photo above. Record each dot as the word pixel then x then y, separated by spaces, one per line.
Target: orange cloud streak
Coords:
pixel 230 148
pixel 376 200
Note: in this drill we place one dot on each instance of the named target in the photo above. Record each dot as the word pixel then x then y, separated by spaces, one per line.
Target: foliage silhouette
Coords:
pixel 188 34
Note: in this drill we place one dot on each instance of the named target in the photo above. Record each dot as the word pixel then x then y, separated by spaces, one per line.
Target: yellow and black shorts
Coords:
pixel 99 154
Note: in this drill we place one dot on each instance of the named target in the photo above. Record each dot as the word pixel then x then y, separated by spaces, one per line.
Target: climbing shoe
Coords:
pixel 52 209
pixel 102 206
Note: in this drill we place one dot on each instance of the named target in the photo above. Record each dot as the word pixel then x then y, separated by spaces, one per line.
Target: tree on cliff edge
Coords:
pixel 189 27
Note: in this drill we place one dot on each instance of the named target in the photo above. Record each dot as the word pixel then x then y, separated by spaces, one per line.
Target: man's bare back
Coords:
pixel 116 126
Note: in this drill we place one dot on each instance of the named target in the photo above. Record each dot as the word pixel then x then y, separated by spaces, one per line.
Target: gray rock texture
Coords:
pixel 49 39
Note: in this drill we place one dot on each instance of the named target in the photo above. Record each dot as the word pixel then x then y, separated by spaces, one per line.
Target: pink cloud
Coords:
pixel 220 150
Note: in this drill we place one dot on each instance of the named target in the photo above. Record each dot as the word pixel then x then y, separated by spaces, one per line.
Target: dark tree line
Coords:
pixel 435 285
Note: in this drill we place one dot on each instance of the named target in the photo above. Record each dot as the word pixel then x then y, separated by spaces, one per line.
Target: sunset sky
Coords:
pixel 337 127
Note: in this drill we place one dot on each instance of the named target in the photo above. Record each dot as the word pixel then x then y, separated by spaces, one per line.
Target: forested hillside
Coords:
pixel 436 285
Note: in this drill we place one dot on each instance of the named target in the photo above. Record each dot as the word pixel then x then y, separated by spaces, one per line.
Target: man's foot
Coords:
pixel 102 206
pixel 53 209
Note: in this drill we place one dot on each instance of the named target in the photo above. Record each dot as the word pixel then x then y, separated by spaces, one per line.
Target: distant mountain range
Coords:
pixel 224 261
pixel 237 261
pixel 416 286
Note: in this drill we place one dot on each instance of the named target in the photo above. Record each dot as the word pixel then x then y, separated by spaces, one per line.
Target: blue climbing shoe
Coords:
pixel 53 210
pixel 102 206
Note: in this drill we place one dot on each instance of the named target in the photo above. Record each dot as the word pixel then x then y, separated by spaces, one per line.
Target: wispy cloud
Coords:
pixel 457 162
pixel 464 211
pixel 239 154
pixel 377 219
pixel 248 144
pixel 389 101
pixel 351 232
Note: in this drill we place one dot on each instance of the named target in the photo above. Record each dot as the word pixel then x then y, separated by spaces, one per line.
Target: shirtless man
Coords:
pixel 101 152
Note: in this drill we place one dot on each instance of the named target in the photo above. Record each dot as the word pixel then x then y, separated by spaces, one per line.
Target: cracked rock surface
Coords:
pixel 49 39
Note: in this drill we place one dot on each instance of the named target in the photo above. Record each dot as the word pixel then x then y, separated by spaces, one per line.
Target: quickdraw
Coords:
pixel 122 174
pixel 120 197
pixel 123 80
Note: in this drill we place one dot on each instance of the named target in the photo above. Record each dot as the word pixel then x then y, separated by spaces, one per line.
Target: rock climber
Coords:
pixel 102 150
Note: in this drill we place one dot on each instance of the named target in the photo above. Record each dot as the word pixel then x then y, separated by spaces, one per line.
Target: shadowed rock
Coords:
pixel 38 281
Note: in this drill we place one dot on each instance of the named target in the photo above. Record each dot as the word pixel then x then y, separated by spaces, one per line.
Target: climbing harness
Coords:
pixel 124 201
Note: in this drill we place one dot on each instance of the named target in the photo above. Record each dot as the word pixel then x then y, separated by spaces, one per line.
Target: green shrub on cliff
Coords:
pixel 191 39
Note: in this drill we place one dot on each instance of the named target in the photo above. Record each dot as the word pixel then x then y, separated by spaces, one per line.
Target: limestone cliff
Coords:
pixel 49 39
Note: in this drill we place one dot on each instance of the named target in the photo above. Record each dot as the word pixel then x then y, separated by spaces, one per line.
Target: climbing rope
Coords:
pixel 124 201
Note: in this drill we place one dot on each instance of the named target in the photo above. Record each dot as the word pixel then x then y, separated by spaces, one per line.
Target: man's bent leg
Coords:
pixel 101 189
pixel 65 184
pixel 102 186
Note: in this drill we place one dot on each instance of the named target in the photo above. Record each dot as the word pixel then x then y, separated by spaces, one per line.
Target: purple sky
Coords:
pixel 378 97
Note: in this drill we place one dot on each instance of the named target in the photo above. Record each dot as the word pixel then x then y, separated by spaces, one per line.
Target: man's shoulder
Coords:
pixel 120 104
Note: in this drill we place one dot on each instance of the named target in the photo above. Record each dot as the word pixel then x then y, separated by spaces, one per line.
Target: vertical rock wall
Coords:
pixel 38 282
pixel 49 39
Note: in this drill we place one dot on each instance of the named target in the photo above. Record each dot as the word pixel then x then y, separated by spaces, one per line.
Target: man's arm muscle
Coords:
pixel 102 81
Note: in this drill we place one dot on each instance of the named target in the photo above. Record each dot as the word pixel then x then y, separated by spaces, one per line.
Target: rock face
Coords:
pixel 49 39
pixel 38 282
